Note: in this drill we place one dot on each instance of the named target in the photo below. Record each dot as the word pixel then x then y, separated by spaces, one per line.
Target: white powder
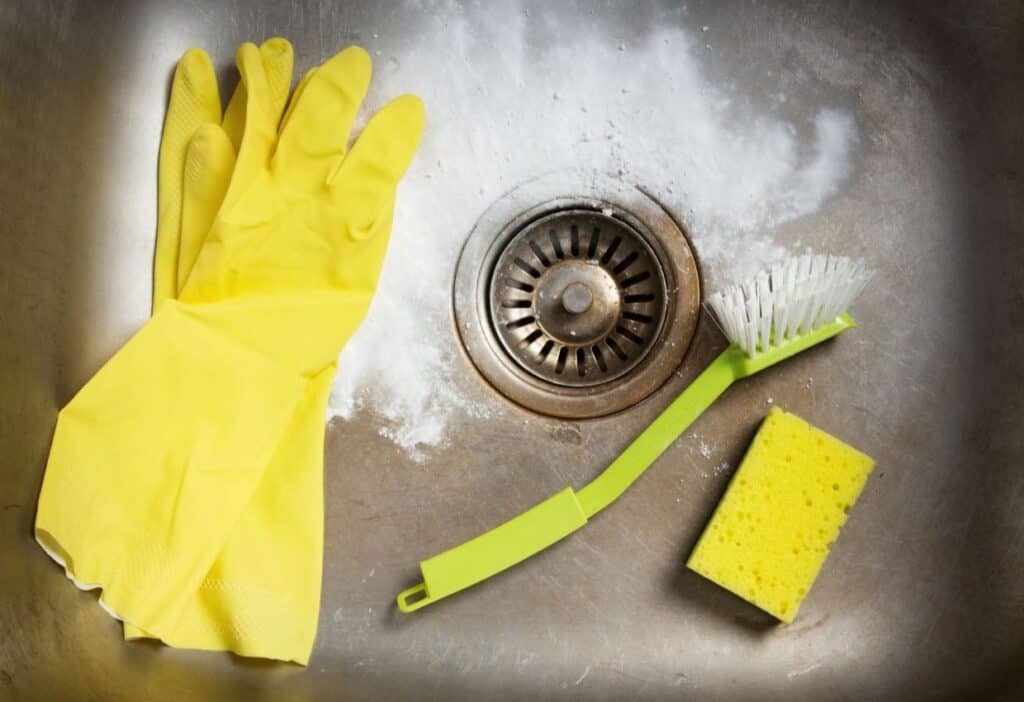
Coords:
pixel 497 118
pixel 705 449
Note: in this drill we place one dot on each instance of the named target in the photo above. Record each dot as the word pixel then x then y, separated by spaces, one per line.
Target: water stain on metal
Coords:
pixel 567 434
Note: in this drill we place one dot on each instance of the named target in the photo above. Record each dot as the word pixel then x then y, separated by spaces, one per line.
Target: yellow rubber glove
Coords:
pixel 155 462
pixel 287 558
pixel 197 158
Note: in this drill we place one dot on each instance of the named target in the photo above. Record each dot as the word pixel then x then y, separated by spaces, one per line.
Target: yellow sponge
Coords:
pixel 783 510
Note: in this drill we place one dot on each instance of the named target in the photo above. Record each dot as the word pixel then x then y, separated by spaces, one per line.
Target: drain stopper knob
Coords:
pixel 577 298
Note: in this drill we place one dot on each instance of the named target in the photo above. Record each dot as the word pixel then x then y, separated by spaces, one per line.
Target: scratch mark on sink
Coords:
pixel 802 671
pixel 585 543
pixel 447 652
pixel 586 672
pixel 803 630
pixel 638 693
pixel 524 660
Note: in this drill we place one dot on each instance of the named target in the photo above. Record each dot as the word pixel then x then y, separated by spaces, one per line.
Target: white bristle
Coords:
pixel 790 299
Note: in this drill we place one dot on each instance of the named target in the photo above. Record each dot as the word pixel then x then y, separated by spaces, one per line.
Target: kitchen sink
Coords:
pixel 923 594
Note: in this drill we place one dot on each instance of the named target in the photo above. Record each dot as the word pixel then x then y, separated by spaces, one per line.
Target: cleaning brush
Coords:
pixel 780 312
pixel 791 299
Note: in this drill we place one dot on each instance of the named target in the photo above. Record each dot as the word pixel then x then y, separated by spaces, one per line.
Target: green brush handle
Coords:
pixel 566 511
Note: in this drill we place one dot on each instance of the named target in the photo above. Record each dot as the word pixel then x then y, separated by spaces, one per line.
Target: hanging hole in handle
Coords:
pixel 412 599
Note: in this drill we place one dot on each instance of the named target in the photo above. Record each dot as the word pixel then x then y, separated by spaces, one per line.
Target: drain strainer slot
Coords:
pixel 577 298
pixel 576 301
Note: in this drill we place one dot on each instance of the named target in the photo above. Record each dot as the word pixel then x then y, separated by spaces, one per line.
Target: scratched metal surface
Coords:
pixel 923 596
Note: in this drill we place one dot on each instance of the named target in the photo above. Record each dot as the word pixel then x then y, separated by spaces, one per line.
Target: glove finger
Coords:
pixel 296 96
pixel 278 62
pixel 366 180
pixel 194 101
pixel 318 127
pixel 260 130
pixel 208 168
pixel 277 58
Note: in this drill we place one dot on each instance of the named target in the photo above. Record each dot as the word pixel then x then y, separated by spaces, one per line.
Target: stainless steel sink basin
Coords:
pixel 923 596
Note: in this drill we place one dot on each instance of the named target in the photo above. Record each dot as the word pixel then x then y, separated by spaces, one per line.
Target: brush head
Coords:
pixel 789 300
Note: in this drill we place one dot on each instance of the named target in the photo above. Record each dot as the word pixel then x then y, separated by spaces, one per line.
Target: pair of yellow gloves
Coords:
pixel 186 478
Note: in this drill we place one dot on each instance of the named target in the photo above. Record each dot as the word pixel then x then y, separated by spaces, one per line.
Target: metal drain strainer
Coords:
pixel 580 305
pixel 577 298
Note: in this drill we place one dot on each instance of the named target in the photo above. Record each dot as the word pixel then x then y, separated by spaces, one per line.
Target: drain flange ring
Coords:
pixel 581 305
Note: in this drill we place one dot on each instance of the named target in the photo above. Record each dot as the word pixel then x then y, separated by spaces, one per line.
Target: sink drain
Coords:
pixel 577 298
pixel 580 305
